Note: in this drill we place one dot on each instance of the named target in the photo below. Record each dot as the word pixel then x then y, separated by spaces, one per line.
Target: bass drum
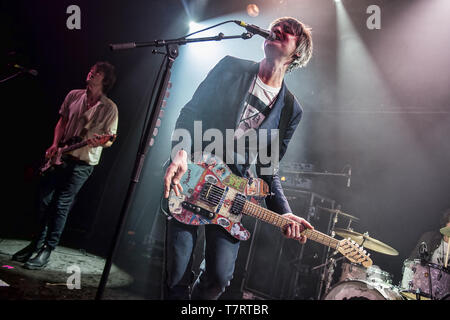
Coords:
pixel 362 290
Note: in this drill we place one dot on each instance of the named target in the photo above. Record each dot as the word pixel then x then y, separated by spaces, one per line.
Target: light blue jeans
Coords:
pixel 217 268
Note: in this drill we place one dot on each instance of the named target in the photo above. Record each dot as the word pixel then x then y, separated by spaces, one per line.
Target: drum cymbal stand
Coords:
pixel 328 272
pixel 329 262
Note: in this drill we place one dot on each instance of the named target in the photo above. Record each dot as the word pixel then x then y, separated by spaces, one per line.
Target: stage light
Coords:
pixel 194 26
pixel 252 10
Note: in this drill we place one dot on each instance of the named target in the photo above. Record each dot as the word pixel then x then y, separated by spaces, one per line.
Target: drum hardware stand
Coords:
pixel 328 259
pixel 330 270
pixel 430 283
pixel 329 265
pixel 311 213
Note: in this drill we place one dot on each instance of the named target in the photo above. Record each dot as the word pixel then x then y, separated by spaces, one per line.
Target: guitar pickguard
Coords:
pixel 214 172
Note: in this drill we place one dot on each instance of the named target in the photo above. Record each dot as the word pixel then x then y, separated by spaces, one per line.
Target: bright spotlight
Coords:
pixel 194 26
pixel 252 10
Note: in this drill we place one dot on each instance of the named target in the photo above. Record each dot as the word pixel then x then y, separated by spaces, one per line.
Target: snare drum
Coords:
pixel 427 280
pixel 351 271
pixel 362 290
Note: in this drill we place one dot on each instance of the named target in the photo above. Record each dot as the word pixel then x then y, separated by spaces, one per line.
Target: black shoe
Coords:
pixel 41 259
pixel 26 253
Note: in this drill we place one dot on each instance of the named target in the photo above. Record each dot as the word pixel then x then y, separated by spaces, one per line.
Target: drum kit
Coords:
pixel 421 280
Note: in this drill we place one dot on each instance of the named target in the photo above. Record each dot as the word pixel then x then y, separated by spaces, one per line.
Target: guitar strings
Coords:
pixel 216 193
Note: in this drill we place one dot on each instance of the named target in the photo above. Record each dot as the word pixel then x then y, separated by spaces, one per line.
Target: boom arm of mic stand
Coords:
pixel 181 41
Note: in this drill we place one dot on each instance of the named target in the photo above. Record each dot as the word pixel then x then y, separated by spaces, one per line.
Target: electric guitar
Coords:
pixel 212 194
pixel 71 145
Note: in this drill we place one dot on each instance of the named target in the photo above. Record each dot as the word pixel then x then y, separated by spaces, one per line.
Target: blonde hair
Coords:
pixel 304 50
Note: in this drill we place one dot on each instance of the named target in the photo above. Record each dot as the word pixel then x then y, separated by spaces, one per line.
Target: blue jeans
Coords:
pixel 217 268
pixel 57 191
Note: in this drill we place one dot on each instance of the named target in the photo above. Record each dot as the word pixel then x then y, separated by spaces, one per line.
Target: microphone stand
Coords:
pixel 149 129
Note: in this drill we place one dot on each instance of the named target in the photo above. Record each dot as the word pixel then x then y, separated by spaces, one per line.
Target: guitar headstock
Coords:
pixel 353 252
pixel 99 140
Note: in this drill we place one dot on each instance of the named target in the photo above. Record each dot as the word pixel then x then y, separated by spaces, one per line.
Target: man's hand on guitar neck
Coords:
pixel 51 151
pixel 293 230
pixel 174 173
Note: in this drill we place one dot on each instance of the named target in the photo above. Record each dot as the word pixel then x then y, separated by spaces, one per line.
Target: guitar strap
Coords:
pixel 286 114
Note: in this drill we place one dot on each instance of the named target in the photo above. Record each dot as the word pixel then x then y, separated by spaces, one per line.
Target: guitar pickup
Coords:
pixel 198 210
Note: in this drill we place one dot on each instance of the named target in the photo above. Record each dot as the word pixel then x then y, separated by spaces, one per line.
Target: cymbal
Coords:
pixel 445 231
pixel 366 241
pixel 339 212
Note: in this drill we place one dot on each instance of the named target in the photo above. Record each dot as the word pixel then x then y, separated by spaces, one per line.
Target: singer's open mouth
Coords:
pixel 278 36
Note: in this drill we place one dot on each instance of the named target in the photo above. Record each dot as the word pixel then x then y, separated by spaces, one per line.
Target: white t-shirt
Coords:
pixel 439 254
pixel 259 102
pixel 102 118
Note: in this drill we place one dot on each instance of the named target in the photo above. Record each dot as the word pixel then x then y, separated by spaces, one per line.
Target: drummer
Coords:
pixel 436 243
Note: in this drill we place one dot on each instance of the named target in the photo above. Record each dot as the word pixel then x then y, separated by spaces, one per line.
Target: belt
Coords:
pixel 70 158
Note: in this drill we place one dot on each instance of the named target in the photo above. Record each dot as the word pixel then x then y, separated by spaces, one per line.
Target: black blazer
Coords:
pixel 219 101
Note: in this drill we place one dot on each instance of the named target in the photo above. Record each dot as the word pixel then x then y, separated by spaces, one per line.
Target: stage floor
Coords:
pixel 50 283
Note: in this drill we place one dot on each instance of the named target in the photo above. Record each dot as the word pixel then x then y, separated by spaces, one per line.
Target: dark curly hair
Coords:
pixel 445 218
pixel 110 76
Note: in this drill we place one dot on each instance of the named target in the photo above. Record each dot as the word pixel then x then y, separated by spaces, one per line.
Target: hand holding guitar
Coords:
pixel 174 173
pixel 54 153
pixel 101 140
pixel 294 229
pixel 51 151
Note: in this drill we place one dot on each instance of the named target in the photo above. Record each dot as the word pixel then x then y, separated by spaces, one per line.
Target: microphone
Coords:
pixel 349 176
pixel 269 35
pixel 423 251
pixel 30 71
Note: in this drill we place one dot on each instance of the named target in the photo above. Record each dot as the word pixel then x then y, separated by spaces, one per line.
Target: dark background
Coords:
pixel 376 100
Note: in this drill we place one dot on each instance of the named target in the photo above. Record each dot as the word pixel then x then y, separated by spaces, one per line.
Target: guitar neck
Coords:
pixel 275 219
pixel 74 146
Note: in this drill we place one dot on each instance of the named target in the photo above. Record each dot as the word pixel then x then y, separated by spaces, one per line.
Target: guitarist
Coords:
pixel 237 94
pixel 85 113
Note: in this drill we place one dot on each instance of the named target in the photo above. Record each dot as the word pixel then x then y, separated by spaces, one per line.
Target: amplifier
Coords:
pixel 291 175
pixel 294 181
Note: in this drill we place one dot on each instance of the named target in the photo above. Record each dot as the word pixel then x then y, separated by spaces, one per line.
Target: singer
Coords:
pixel 240 95
pixel 84 113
